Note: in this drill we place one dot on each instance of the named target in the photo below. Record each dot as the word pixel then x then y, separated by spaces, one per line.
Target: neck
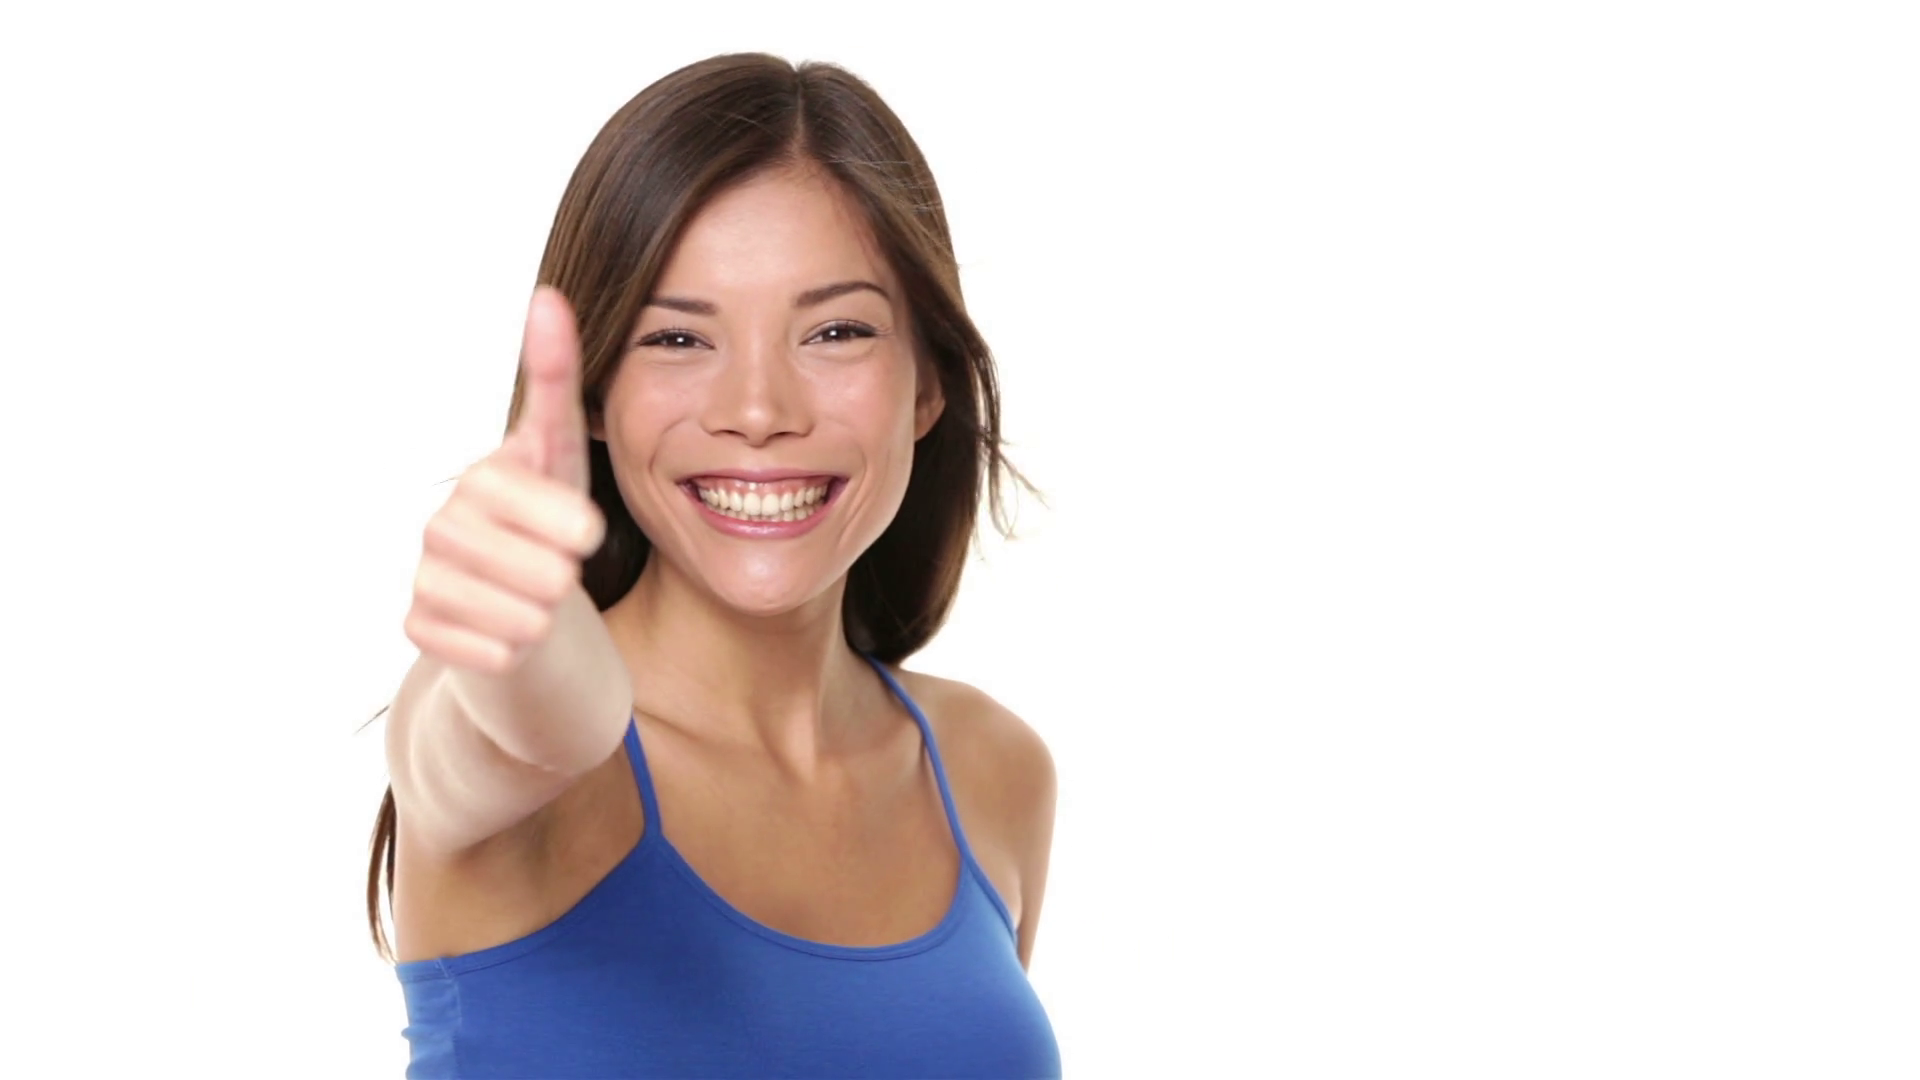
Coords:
pixel 788 684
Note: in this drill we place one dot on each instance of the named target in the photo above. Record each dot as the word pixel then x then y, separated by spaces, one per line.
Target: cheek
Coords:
pixel 881 406
pixel 643 407
pixel 889 434
pixel 632 435
pixel 637 424
pixel 877 417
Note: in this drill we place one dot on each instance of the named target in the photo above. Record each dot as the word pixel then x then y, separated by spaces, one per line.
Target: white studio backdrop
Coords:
pixel 1475 611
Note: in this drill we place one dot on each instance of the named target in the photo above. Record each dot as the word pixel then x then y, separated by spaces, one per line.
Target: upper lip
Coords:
pixel 760 476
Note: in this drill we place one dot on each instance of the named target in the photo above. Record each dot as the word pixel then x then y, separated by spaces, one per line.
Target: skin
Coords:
pixel 791 779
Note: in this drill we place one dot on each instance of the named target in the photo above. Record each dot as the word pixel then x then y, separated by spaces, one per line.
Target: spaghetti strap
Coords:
pixel 933 755
pixel 637 757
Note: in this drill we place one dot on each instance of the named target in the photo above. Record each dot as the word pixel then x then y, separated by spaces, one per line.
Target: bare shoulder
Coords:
pixel 998 755
pixel 1004 787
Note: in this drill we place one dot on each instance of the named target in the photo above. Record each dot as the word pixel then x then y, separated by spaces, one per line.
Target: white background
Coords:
pixel 1476 617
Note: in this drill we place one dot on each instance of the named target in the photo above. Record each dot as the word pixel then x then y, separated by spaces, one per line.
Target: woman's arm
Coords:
pixel 1043 789
pixel 519 688
pixel 472 754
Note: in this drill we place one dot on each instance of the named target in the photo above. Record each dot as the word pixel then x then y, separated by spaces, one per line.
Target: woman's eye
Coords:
pixel 671 339
pixel 842 332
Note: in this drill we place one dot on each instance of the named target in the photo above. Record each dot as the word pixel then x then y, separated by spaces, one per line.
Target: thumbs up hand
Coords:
pixel 505 550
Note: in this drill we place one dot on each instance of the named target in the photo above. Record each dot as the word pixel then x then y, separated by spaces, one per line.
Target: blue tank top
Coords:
pixel 654 974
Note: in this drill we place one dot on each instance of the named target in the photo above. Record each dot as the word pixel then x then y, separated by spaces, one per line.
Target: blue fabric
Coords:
pixel 653 974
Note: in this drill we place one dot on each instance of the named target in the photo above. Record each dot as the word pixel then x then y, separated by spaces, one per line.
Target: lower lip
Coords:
pixel 764 530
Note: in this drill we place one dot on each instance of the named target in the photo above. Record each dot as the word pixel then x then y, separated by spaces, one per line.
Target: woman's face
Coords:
pixel 762 419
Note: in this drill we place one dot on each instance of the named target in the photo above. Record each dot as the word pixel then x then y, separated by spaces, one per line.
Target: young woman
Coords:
pixel 662 803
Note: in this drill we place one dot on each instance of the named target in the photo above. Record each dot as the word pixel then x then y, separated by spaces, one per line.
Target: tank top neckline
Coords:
pixel 970 887
pixel 653 837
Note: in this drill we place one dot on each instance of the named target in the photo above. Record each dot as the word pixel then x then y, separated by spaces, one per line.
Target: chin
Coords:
pixel 768 598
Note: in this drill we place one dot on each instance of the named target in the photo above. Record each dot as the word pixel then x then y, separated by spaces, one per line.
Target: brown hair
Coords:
pixel 648 172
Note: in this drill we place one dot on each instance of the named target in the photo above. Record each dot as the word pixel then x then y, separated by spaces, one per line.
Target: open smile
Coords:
pixel 764 508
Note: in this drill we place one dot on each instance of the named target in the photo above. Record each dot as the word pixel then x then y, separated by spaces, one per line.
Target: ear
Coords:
pixel 928 401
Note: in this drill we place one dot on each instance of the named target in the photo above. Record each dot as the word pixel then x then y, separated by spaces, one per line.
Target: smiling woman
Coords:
pixel 662 803
pixel 754 390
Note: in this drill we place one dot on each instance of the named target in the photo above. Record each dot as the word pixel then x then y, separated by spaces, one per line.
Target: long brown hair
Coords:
pixel 649 171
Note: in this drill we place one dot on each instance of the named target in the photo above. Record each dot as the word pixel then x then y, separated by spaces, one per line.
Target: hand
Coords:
pixel 506 548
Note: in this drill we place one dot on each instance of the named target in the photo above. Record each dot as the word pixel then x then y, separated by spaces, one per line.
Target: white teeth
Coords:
pixel 764 506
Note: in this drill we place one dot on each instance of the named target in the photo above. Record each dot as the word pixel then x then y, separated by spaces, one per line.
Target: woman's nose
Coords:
pixel 758 394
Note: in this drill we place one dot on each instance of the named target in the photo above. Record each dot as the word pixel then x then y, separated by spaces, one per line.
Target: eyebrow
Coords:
pixel 828 292
pixel 810 298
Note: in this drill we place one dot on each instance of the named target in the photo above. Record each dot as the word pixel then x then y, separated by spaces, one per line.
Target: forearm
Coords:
pixel 564 707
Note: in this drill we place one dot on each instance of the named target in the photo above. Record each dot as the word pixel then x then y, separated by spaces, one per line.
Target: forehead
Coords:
pixel 784 231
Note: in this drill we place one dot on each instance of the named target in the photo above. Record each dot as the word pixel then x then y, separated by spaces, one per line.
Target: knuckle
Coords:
pixel 538 626
pixel 426 635
pixel 427 580
pixel 555 578
pixel 479 481
pixel 581 523
pixel 434 589
pixel 502 656
pixel 442 532
pixel 596 525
